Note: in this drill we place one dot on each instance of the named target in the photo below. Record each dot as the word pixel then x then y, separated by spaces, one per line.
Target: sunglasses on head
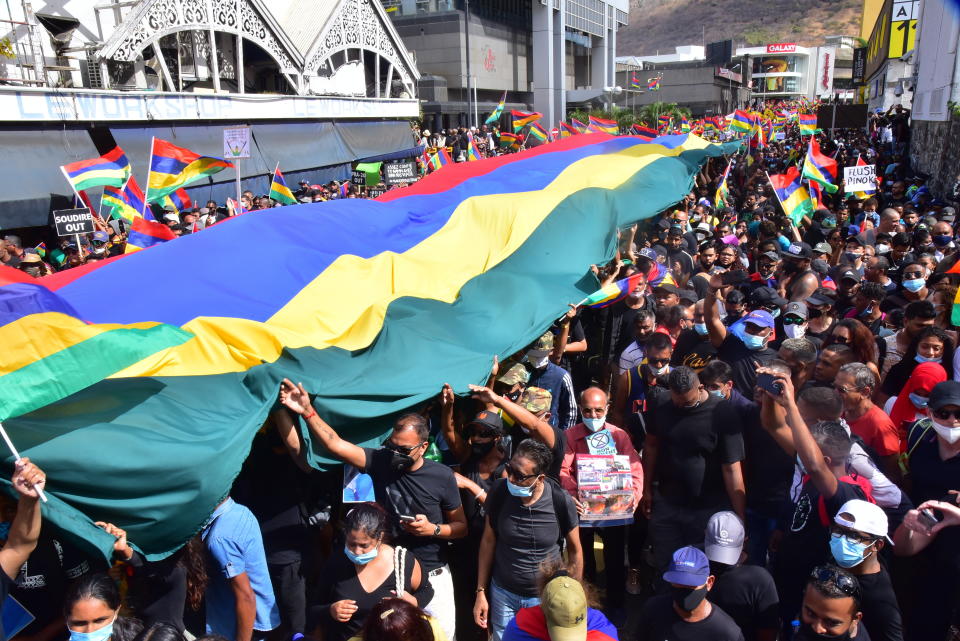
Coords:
pixel 944 414
pixel 846 584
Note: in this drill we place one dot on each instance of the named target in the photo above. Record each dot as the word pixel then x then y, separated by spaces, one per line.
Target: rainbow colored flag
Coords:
pixel 866 193
pixel 816 195
pixel 684 125
pixel 279 190
pixel 742 122
pixel 146 233
pixel 567 130
pixel 659 274
pixel 663 122
pixel 646 133
pixel 440 159
pixel 497 111
pixel 509 140
pixel 793 196
pixel 634 81
pixel 173 167
pixel 523 118
pixel 653 84
pixel 602 126
pixel 412 278
pixel 537 132
pixel 41 250
pixel 582 128
pixel 722 198
pixel 111 169
pixel 127 203
pixel 807 123
pixel 179 200
pixel 820 167
pixel 472 152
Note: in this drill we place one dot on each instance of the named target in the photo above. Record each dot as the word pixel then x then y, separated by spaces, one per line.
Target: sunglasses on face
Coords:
pixel 793 320
pixel 401 449
pixel 512 473
pixel 945 415
pixel 838 531
pixel 909 275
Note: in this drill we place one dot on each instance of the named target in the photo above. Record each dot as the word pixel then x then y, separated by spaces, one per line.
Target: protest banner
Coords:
pixel 358 177
pixel 396 173
pixel 860 178
pixel 70 222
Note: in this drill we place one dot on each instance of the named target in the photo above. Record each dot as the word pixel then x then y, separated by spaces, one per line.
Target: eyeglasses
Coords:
pixel 845 583
pixel 660 362
pixel 401 449
pixel 837 531
pixel 913 275
pixel 516 476
pixel 944 414
pixel 844 390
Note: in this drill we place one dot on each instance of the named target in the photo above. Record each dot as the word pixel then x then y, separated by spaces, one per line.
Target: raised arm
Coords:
pixel 296 398
pixel 25 529
pixel 290 436
pixel 539 429
pixel 447 426
pixel 711 315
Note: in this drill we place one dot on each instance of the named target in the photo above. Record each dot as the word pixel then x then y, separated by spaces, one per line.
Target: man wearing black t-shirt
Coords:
pixel 831 607
pixel 28 480
pixel 745 592
pixel 685 614
pixel 823 451
pixel 419 495
pixel 692 456
pixel 744 345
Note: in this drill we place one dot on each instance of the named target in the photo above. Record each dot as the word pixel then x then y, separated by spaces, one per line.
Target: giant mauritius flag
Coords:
pixel 373 305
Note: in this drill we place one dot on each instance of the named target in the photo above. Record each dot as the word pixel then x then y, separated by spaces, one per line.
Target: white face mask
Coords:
pixel 538 358
pixel 794 331
pixel 950 434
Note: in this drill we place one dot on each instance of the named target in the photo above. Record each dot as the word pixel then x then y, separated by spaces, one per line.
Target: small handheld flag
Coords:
pixel 793 196
pixel 613 292
pixel 279 190
pixel 653 84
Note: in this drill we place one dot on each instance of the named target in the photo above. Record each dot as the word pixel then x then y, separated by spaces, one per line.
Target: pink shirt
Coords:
pixel 577 444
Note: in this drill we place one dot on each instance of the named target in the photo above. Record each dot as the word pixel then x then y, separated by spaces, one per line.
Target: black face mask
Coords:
pixel 687 599
pixel 514 396
pixel 814 313
pixel 400 462
pixel 479 450
pixel 806 633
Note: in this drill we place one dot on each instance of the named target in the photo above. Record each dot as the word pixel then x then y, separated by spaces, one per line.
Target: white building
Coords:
pixel 322 83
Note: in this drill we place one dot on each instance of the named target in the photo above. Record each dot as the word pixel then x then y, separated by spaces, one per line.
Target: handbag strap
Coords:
pixel 399 569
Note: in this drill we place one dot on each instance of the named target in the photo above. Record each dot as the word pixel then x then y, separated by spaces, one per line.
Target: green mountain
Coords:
pixel 661 25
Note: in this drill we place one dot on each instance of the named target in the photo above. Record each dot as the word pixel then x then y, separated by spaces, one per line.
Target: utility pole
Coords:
pixel 466 22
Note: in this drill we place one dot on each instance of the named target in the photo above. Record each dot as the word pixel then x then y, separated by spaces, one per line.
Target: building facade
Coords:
pixel 320 85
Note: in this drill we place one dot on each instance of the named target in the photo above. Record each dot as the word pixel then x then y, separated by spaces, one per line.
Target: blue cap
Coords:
pixel 101 236
pixel 759 317
pixel 689 566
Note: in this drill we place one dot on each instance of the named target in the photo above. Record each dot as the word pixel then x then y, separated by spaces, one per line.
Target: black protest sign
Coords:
pixel 73 221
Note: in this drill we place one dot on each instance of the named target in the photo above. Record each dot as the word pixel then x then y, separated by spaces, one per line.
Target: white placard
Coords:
pixel 236 142
pixel 860 178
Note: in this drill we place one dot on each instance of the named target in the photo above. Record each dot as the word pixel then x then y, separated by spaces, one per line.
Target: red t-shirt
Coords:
pixel 877 431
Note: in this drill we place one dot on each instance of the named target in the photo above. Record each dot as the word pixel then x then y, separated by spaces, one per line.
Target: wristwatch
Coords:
pixel 436 532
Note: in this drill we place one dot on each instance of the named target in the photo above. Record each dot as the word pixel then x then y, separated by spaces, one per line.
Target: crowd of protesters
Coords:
pixel 785 399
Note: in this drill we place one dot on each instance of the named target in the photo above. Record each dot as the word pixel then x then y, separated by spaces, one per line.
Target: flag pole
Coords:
pixel 17 458
pixel 146 199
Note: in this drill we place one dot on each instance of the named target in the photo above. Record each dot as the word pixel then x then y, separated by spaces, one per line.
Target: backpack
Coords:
pixel 498 494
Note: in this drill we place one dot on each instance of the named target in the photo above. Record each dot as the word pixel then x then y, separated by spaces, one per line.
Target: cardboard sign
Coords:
pixel 860 178
pixel 73 221
pixel 396 173
pixel 358 177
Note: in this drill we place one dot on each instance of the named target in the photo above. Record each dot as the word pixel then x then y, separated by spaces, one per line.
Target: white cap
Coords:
pixel 863 516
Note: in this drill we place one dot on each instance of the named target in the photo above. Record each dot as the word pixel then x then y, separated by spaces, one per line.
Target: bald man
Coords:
pixel 594 435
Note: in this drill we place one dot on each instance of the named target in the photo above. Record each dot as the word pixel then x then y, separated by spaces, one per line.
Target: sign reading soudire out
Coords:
pixel 782 47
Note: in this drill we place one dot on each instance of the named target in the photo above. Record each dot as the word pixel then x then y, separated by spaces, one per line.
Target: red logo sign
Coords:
pixel 489 60
pixel 782 47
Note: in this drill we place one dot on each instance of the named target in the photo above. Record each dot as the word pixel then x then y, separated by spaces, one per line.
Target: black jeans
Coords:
pixel 614 549
pixel 289 588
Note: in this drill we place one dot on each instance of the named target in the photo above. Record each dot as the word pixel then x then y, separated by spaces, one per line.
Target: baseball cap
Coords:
pixel 101 236
pixel 515 374
pixel 564 606
pixel 822 248
pixel 759 317
pixel 689 566
pixel 797 250
pixel 489 420
pixel 774 256
pixel 764 296
pixel 943 394
pixel 821 296
pixel 536 399
pixel 850 275
pixel 854 239
pixel 796 309
pixel 863 516
pixel 676 230
pixel 723 541
pixel 648 253
pixel 667 287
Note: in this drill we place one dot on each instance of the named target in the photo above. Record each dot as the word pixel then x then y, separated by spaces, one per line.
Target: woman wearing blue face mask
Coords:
pixel 366 571
pixel 91 609
pixel 527 515
pixel 931 345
